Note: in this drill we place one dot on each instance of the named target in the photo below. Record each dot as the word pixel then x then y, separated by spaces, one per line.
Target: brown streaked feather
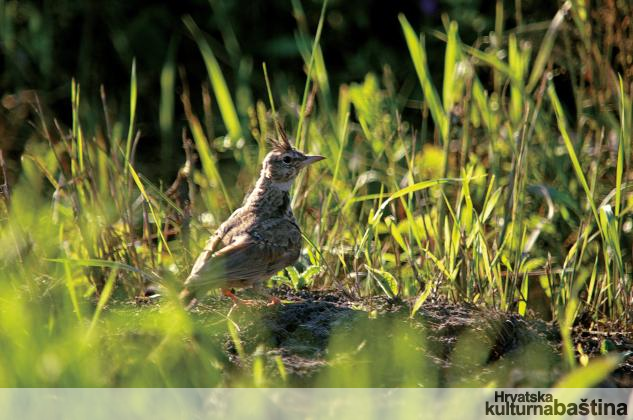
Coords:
pixel 239 244
pixel 249 258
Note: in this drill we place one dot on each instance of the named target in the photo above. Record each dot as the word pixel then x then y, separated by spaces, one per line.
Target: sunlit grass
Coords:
pixel 488 194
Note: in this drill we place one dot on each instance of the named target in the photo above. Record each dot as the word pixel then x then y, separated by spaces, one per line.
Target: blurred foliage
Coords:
pixel 490 167
pixel 43 45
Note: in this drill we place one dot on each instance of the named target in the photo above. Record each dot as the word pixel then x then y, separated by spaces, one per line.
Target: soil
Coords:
pixel 318 335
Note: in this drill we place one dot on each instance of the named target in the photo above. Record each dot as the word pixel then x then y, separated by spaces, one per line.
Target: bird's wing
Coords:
pixel 247 259
pixel 215 242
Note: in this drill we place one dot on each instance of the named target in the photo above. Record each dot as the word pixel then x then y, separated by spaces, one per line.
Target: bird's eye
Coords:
pixel 286 159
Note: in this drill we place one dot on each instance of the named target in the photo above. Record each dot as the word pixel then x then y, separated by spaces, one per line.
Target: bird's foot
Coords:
pixel 237 301
pixel 274 300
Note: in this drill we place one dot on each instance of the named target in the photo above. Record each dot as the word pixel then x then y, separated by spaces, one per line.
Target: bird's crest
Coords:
pixel 282 143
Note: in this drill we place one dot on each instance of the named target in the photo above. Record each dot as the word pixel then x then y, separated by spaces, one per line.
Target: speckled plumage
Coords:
pixel 261 237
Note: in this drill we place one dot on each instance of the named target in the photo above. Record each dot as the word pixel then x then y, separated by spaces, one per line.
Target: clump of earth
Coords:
pixel 330 339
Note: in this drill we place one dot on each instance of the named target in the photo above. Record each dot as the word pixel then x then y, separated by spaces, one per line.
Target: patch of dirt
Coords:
pixel 317 334
pixel 596 342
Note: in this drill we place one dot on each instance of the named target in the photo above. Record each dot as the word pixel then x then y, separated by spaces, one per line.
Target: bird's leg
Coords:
pixel 229 294
pixel 274 300
pixel 237 301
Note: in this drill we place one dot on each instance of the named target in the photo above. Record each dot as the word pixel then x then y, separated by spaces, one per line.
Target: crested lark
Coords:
pixel 260 238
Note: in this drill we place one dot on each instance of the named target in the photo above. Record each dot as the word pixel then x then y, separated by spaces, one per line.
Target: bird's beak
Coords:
pixel 310 159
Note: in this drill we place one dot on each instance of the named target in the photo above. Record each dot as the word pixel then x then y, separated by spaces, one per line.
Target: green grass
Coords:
pixel 488 193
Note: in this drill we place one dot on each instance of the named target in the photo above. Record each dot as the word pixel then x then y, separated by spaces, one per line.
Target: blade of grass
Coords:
pixel 70 285
pixel 270 99
pixel 620 163
pixel 103 300
pixel 220 88
pixel 339 158
pixel 167 100
pixel 130 132
pixel 377 216
pixel 518 65
pixel 235 337
pixel 306 89
pixel 75 92
pixel 412 188
pixel 419 57
pixel 208 160
pixel 450 66
pixel 157 220
pixel 562 126
pixel 545 52
pixel 591 375
pixel 88 262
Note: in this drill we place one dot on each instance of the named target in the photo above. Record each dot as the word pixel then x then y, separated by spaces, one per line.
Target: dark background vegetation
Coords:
pixel 44 44
pixel 488 181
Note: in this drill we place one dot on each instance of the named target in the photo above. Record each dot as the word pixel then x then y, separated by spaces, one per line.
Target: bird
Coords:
pixel 260 238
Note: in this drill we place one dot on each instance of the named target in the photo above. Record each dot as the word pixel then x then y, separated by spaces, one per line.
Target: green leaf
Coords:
pixel 293 274
pixel 308 275
pixel 421 299
pixel 523 299
pixel 386 281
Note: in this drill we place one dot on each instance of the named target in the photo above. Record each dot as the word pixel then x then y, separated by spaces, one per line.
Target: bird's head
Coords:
pixel 283 163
